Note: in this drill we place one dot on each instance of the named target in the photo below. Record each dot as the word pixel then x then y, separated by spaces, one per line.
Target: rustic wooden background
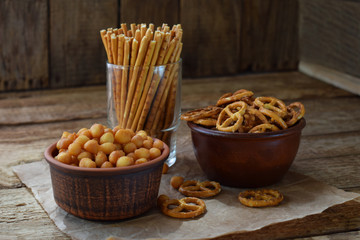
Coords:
pixel 330 34
pixel 56 44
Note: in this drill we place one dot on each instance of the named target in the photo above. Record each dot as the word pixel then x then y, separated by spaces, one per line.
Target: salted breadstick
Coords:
pixel 134 51
pixel 103 34
pixel 140 84
pixel 143 30
pixel 133 80
pixel 123 91
pixel 166 29
pixel 133 28
pixel 152 27
pixel 124 28
pixel 159 36
pixel 170 50
pixel 149 34
pixel 108 43
pixel 120 56
pixel 163 49
pixel 116 72
pixel 114 47
pixel 138 35
pixel 118 83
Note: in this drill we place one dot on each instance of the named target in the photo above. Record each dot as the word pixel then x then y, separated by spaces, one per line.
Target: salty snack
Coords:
pixel 273 104
pixel 260 198
pixel 263 128
pixel 237 96
pixel 142 97
pixel 244 113
pixel 295 111
pixel 102 147
pixel 188 207
pixel 165 168
pixel 201 113
pixel 231 117
pixel 194 188
pixel 208 122
pixel 176 181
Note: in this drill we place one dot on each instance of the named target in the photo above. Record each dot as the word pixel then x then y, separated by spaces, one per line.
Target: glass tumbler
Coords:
pixel 146 98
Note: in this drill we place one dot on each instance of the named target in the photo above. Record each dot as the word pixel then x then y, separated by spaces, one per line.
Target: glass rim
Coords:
pixel 123 66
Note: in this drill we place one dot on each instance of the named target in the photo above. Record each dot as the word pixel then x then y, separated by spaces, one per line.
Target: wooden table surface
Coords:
pixel 329 150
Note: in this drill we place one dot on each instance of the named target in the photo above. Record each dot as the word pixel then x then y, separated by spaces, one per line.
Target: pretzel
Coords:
pixel 231 117
pixel 263 128
pixel 296 111
pixel 252 118
pixel 274 118
pixel 200 113
pixel 208 122
pixel 188 207
pixel 260 198
pixel 193 188
pixel 273 104
pixel 237 96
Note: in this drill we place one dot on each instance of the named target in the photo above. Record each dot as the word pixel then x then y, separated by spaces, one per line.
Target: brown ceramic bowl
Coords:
pixel 105 193
pixel 246 159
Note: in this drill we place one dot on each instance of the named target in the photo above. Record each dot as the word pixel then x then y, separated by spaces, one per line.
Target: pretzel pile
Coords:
pixel 143 98
pixel 242 112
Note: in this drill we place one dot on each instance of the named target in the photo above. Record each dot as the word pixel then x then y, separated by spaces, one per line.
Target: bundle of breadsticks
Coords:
pixel 144 94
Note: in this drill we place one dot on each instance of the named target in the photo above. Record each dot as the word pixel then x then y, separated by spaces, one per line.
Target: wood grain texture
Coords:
pixel 211 29
pixel 335 236
pixel 290 229
pixel 286 86
pixel 77 56
pixel 329 34
pixel 19 208
pixel 52 44
pixel 339 79
pixel 23 45
pixel 269 35
pixel 56 105
pixel 152 11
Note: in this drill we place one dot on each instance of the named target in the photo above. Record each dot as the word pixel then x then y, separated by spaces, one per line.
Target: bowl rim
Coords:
pixel 207 131
pixel 48 154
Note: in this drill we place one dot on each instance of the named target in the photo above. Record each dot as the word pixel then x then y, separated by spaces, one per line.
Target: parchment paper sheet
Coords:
pixel 225 214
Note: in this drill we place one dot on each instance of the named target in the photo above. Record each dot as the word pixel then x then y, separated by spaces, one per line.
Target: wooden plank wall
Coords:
pixel 24 44
pixel 330 34
pixel 56 44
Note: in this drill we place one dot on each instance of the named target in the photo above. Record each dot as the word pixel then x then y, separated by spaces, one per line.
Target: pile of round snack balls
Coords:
pixel 103 147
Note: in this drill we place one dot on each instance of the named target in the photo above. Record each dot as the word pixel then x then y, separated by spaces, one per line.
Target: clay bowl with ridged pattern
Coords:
pixel 246 159
pixel 105 193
